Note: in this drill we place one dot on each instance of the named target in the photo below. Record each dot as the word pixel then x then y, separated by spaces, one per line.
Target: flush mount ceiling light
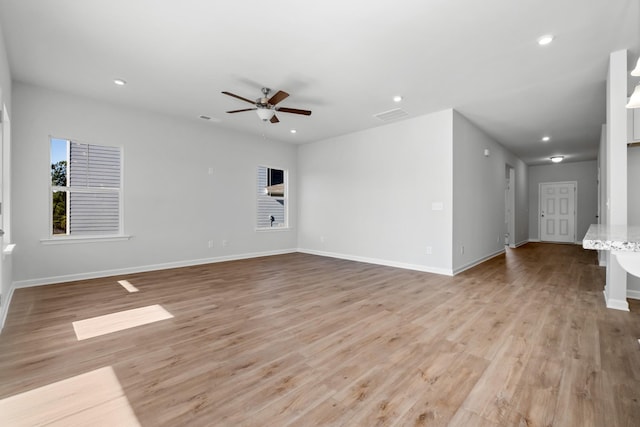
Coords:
pixel 557 159
pixel 397 98
pixel 545 40
pixel 546 139
pixel 265 114
pixel 119 82
pixel 293 131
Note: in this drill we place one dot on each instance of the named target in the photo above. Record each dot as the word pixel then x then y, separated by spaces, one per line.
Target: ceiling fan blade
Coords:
pixel 294 111
pixel 274 119
pixel 278 97
pixel 239 111
pixel 239 97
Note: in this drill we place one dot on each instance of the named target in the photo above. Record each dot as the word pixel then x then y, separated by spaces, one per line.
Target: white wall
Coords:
pixel 5 74
pixel 522 203
pixel 479 195
pixel 5 99
pixel 585 174
pixel 172 206
pixel 633 205
pixel 368 195
pixel 633 176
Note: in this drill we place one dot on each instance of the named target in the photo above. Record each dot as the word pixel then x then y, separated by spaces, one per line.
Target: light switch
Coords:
pixel 437 206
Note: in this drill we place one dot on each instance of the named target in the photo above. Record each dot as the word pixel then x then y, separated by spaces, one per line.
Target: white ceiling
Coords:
pixel 344 60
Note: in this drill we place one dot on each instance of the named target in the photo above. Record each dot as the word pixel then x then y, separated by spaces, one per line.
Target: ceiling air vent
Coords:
pixel 395 114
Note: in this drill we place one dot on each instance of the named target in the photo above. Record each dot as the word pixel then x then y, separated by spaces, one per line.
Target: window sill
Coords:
pixel 83 239
pixel 270 229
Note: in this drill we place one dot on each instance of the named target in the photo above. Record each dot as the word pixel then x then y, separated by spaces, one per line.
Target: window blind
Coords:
pixel 94 181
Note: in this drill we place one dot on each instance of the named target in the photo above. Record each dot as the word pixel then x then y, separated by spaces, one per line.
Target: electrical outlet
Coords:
pixel 429 250
pixel 321 239
pixel 225 243
pixel 210 171
pixel 462 250
pixel 210 244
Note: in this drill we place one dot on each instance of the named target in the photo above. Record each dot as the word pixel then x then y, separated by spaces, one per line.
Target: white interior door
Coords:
pixel 558 212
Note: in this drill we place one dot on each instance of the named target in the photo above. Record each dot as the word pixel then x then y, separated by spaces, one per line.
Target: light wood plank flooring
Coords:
pixel 521 340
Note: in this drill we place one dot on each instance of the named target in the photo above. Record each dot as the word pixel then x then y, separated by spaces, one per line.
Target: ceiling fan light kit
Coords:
pixel 265 114
pixel 636 71
pixel 266 107
pixel 634 101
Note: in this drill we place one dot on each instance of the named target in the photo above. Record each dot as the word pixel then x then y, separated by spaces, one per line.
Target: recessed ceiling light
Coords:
pixel 397 98
pixel 557 159
pixel 293 131
pixel 546 139
pixel 119 82
pixel 545 40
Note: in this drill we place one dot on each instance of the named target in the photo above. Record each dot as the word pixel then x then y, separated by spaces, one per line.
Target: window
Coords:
pixel 272 198
pixel 85 189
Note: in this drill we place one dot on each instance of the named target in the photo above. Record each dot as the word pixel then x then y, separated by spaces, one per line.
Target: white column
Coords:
pixel 615 291
pixel 602 188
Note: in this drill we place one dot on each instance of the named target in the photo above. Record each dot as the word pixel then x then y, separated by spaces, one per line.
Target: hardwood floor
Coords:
pixel 521 340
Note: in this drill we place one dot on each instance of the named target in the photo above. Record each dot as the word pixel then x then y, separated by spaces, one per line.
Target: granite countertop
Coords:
pixel 612 237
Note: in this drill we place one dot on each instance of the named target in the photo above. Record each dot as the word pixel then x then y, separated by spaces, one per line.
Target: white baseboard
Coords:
pixel 524 242
pixel 141 269
pixel 633 294
pixel 566 243
pixel 615 304
pixel 6 303
pixel 476 262
pixel 378 261
pixel 7 251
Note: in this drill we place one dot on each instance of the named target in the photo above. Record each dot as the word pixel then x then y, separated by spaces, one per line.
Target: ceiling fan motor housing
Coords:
pixel 265 99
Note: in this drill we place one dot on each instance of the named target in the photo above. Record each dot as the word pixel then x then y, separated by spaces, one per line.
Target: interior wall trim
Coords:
pixel 5 307
pixel 378 261
pixel 633 294
pixel 478 261
pixel 153 267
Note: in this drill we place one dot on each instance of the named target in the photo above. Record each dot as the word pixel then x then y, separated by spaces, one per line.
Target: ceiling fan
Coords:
pixel 266 106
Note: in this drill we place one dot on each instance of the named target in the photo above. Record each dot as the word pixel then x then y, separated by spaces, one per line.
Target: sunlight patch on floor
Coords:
pixel 91 399
pixel 128 286
pixel 119 321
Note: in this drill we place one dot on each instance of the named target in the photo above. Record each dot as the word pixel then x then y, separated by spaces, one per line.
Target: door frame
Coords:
pixel 510 204
pixel 575 208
